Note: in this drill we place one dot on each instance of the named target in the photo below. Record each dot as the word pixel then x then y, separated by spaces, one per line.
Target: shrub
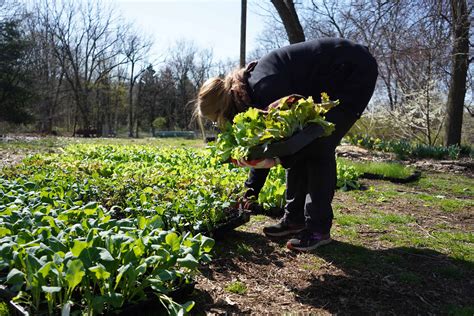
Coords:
pixel 404 149
pixel 159 122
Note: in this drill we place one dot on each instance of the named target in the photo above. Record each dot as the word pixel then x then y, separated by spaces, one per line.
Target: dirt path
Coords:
pixel 391 256
pixel 7 158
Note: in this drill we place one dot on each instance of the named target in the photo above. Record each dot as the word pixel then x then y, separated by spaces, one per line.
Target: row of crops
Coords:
pixel 98 228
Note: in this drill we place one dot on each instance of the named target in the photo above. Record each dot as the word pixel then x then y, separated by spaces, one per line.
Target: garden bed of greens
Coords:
pixel 390 171
pixel 102 228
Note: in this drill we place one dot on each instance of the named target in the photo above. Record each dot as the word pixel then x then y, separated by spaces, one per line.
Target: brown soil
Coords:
pixel 365 275
pixel 7 158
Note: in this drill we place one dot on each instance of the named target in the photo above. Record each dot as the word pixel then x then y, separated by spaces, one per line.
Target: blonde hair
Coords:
pixel 220 99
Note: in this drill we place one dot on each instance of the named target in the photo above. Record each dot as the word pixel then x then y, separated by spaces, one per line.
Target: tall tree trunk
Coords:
pixel 460 55
pixel 130 103
pixel 287 12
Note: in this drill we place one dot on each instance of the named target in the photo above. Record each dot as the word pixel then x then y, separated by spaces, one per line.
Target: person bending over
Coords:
pixel 345 71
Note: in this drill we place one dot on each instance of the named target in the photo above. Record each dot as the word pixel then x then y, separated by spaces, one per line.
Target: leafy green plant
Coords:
pixel 256 127
pixel 386 169
pixel 347 177
pixel 159 122
pixel 236 287
pixel 405 150
pixel 63 251
pixel 81 256
pixel 4 311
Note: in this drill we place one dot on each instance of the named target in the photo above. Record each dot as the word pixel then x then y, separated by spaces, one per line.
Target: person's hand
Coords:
pixel 290 100
pixel 248 204
pixel 245 204
pixel 266 163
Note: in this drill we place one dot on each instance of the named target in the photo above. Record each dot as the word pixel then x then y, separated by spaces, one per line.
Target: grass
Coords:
pixel 386 169
pixel 460 310
pixel 449 183
pixel 409 277
pixel 236 287
pixel 257 218
pixel 443 203
pixel 42 144
pixel 449 272
pixel 458 245
pixel 313 264
pixel 243 249
pixel 374 194
pixel 402 230
pixel 376 220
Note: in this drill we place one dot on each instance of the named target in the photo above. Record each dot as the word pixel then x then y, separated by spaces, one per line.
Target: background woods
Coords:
pixel 77 67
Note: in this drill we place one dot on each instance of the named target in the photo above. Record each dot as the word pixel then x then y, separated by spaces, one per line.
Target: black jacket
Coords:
pixel 309 68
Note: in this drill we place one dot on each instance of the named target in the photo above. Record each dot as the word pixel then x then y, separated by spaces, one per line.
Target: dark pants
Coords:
pixel 311 173
pixel 311 180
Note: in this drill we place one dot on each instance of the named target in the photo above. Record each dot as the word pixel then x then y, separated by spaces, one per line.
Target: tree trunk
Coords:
pixel 130 103
pixel 457 89
pixel 287 12
pixel 137 126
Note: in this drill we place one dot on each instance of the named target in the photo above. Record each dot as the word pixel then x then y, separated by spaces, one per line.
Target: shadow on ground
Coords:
pixel 402 280
pixel 345 278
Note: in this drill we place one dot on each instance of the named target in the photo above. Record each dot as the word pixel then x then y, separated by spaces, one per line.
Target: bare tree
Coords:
pixel 287 12
pixel 328 19
pixel 86 39
pixel 135 49
pixel 49 75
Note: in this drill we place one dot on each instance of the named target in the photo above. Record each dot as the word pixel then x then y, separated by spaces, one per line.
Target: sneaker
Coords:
pixel 282 229
pixel 308 241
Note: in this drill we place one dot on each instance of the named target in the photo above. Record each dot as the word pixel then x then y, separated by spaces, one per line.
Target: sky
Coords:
pixel 208 23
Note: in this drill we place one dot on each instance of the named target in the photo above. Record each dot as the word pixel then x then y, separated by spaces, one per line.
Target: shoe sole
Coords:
pixel 285 233
pixel 321 243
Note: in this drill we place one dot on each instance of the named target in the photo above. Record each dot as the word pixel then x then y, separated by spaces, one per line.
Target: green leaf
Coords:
pixel 138 248
pixel 206 258
pixel 115 299
pixel 75 273
pixel 187 306
pixel 166 275
pixel 143 198
pixel 4 232
pixel 172 239
pixel 156 222
pixel 141 269
pixel 100 272
pixel 44 271
pixel 174 308
pixel 79 245
pixel 90 208
pixel 121 271
pixel 105 255
pixel 15 277
pixel 207 243
pixel 188 262
pixel 141 222
pixel 98 304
